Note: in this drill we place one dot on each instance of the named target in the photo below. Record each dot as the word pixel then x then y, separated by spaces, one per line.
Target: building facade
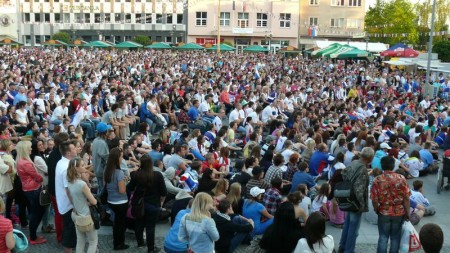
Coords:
pixel 114 20
pixel 272 24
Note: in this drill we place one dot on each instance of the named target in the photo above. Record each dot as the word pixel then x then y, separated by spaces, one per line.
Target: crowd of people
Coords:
pixel 233 148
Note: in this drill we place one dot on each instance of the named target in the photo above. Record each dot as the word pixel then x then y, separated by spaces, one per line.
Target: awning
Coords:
pixel 374 47
pixel 399 63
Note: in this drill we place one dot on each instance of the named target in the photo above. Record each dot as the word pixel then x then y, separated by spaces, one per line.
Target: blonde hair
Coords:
pixel 311 144
pixel 5 144
pixel 2 205
pixel 201 205
pixel 23 150
pixel 221 187
pixel 234 195
pixel 72 172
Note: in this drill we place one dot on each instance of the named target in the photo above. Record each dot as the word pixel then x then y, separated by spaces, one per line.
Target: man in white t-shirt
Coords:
pixel 60 113
pixel 269 113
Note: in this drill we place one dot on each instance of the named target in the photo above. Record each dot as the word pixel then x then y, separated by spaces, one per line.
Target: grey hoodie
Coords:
pixel 169 174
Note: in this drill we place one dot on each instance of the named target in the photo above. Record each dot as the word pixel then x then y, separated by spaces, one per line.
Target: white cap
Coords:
pixel 385 146
pixel 255 191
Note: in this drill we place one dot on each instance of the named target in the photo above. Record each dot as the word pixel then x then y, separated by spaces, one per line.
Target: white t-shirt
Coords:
pixel 326 247
pixel 267 113
pixel 306 205
pixel 317 203
pixel 234 115
pixel 21 116
pixel 60 186
pixel 59 112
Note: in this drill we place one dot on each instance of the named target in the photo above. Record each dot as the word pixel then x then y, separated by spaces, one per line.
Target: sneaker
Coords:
pixel 39 240
pixel 154 250
pixel 121 247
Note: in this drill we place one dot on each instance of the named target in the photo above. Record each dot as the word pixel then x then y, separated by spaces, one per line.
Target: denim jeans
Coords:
pixel 36 211
pixel 350 232
pixel 389 227
pixel 173 251
pixel 238 238
pixel 90 128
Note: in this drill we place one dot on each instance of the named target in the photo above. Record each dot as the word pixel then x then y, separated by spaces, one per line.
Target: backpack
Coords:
pixel 345 194
pixel 21 241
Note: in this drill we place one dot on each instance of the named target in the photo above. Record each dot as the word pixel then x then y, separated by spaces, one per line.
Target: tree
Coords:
pixel 61 36
pixel 143 40
pixel 442 48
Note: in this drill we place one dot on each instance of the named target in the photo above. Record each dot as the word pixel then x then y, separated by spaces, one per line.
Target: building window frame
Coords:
pixel 337 3
pixel 159 18
pixel 225 18
pixel 337 22
pixel 285 20
pixel 201 18
pixel 354 3
pixel 148 18
pixel 243 19
pixel 314 2
pixel 313 21
pixel 353 23
pixel 180 17
pixel 262 19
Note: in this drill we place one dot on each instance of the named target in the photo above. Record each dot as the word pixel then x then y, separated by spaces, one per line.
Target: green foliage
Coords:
pixel 228 43
pixel 143 40
pixel 442 48
pixel 61 36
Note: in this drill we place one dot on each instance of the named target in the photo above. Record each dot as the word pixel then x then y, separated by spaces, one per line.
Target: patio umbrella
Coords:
pixel 190 46
pixel 223 47
pixel 55 43
pixel 337 50
pixel 9 42
pixel 128 44
pixel 159 45
pixel 330 48
pixel 350 53
pixel 400 50
pixel 255 49
pixel 98 43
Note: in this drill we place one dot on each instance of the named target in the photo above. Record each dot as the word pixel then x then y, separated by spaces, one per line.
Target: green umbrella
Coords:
pixel 330 48
pixel 128 44
pixel 55 43
pixel 350 53
pixel 159 45
pixel 223 47
pixel 98 43
pixel 190 46
pixel 255 49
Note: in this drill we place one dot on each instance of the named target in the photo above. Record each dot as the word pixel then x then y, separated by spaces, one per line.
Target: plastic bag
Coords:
pixel 409 241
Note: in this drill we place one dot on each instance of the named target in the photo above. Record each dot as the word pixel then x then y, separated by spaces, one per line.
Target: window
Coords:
pixel 87 18
pixel 78 18
pixel 159 18
pixel 179 39
pixel 313 21
pixel 97 18
pixel 148 18
pixel 179 18
pixel 354 3
pixel 337 22
pixel 57 18
pixel 337 3
pixel 27 39
pixel 225 19
pixel 47 17
pixel 26 17
pixel 169 19
pixel 169 39
pixel 313 2
pixel 47 38
pixel 243 19
pixel 37 17
pixel 201 18
pixel 128 18
pixel 158 39
pixel 261 20
pixel 285 20
pixel 107 17
pixel 139 19
pixel 354 23
pixel 117 17
pixel 66 18
pixel 37 39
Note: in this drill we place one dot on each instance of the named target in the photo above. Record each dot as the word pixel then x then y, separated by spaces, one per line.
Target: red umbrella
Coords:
pixel 401 52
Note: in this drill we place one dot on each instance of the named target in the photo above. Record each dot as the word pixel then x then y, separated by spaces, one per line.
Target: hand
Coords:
pixel 407 216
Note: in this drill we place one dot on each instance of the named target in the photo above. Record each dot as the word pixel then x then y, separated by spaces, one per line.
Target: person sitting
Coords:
pixel 417 195
pixel 302 177
pixel 254 210
pixel 257 180
pixel 171 242
pixel 319 160
pixel 431 237
pixel 427 157
pixel 273 198
pixel 232 231
pixel 316 240
pixel 284 233
pixel 415 165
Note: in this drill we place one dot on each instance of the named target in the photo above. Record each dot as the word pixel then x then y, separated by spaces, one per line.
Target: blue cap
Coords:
pixel 102 127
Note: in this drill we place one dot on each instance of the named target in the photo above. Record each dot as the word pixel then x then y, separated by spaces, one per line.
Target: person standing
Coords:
pixel 69 235
pixel 390 199
pixel 100 152
pixel 357 172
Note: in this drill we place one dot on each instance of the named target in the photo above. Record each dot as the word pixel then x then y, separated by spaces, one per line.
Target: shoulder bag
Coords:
pixel 44 196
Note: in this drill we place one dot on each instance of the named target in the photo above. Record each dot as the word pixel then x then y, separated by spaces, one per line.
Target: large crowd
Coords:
pixel 237 150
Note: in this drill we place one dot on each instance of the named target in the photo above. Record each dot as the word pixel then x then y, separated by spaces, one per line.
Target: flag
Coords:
pixel 78 116
pixel 234 5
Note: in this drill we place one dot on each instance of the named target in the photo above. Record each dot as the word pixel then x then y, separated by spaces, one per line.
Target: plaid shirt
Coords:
pixel 289 174
pixel 272 200
pixel 272 173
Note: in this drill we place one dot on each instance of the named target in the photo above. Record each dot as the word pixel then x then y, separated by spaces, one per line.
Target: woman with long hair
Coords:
pixel 197 227
pixel 220 190
pixel 234 196
pixel 284 233
pixel 320 202
pixel 149 185
pixel 310 148
pixel 115 181
pixel 81 197
pixel 315 240
pixel 31 185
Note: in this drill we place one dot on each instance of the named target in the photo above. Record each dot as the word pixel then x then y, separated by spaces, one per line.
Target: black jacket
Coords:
pixel 227 229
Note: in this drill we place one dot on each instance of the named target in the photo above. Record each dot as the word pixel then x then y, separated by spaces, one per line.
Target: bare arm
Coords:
pixel 10 242
pixel 89 196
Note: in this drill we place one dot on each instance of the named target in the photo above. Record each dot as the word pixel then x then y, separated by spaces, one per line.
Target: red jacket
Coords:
pixel 31 180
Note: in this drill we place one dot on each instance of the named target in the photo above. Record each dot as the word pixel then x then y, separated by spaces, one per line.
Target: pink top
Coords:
pixel 31 180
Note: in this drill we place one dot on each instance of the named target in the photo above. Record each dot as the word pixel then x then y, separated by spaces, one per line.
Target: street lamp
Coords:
pixel 270 43
pixel 367 43
pixel 174 27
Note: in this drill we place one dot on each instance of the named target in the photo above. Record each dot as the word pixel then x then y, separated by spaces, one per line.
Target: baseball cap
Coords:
pixel 255 191
pixel 385 146
pixel 4 119
pixel 102 127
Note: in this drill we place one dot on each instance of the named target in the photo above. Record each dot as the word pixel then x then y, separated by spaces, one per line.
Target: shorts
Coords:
pixel 69 234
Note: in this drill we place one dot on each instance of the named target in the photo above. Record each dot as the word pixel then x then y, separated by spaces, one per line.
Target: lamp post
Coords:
pixel 367 43
pixel 18 35
pixel 270 43
pixel 348 41
pixel 430 42
pixel 172 33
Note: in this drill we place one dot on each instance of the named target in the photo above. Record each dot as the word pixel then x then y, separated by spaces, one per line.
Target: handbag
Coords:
pixel 104 196
pixel 44 196
pixel 83 223
pixel 138 206
pixel 95 215
pixel 21 241
pixel 409 241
